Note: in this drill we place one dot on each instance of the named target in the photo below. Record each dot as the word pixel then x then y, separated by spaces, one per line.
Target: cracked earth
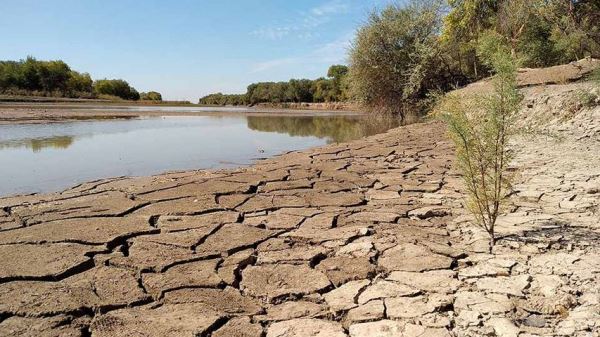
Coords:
pixel 362 239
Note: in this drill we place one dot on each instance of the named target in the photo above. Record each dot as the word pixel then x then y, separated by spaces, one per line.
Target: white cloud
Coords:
pixel 332 7
pixel 304 27
pixel 268 65
pixel 328 53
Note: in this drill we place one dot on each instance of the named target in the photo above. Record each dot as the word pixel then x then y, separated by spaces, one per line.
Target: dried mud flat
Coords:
pixel 363 239
pixel 308 243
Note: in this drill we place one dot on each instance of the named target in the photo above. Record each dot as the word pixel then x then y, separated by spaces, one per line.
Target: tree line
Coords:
pixel 406 52
pixel 33 77
pixel 333 88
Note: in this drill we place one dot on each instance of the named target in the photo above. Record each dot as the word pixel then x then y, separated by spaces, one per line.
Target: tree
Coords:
pixel 79 84
pixel 394 57
pixel 481 129
pixel 151 96
pixel 338 74
pixel 118 88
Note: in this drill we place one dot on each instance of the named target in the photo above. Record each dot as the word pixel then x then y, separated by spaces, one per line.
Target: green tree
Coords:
pixel 151 96
pixel 338 74
pixel 79 84
pixel 394 58
pixel 118 88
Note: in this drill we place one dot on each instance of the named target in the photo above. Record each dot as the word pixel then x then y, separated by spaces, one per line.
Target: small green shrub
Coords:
pixel 481 128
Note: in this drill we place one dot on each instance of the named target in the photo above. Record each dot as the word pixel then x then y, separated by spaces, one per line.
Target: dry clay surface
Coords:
pixel 363 239
pixel 323 242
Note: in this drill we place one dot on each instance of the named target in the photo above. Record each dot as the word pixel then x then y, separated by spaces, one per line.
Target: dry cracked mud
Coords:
pixel 361 239
pixel 273 249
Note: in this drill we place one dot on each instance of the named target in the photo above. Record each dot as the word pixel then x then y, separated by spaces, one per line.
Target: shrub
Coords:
pixel 481 129
pixel 394 59
pixel 119 88
pixel 151 96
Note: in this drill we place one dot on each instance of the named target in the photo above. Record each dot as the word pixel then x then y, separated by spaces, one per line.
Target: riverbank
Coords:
pixel 361 239
pixel 28 113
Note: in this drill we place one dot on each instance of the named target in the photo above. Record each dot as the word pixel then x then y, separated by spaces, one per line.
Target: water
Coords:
pixel 52 157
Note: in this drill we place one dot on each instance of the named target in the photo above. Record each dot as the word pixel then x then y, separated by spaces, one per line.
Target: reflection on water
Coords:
pixel 334 129
pixel 47 157
pixel 37 144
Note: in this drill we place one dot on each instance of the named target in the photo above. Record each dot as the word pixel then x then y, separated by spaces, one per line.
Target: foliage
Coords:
pixel 481 128
pixel 332 89
pixel 118 88
pixel 539 32
pixel 52 78
pixel 394 60
pixel 151 96
pixel 221 99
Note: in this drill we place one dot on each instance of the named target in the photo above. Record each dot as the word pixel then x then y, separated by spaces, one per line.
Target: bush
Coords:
pixel 118 88
pixel 151 96
pixel 481 128
pixel 394 59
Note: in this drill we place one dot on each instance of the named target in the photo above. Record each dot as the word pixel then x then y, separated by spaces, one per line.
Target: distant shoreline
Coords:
pixel 74 110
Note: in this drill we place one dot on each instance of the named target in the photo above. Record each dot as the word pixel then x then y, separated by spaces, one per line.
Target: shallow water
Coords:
pixel 52 157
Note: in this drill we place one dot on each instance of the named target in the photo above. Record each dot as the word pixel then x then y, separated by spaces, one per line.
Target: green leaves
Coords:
pixel 481 128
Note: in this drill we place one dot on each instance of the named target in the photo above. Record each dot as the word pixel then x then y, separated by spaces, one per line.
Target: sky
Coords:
pixel 185 49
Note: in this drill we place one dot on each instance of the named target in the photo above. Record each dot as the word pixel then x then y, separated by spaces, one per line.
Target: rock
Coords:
pixel 239 327
pixel 167 320
pixel 305 328
pixel 383 328
pixel 344 297
pixel 411 257
pixel 535 321
pixel 273 281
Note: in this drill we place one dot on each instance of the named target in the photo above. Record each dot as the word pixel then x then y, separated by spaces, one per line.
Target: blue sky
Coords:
pixel 183 48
